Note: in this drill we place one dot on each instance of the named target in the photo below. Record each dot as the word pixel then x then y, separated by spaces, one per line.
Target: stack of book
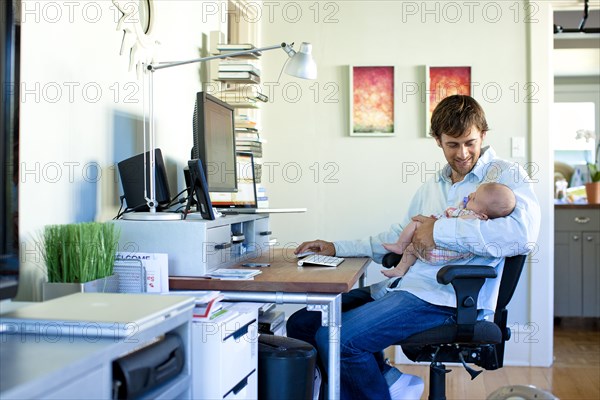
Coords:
pixel 234 274
pixel 207 306
pixel 225 48
pixel 243 121
pixel 238 70
pixel 242 95
pixel 247 134
pixel 248 140
pixel 249 146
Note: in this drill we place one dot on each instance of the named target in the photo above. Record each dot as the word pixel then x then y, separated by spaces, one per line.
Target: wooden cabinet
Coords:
pixel 577 261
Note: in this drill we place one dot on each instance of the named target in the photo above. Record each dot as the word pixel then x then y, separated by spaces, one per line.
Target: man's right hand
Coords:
pixel 318 246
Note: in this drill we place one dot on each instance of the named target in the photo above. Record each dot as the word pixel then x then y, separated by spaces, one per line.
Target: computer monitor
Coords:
pixel 214 142
pixel 10 29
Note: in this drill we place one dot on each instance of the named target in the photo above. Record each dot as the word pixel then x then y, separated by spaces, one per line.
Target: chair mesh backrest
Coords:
pixel 513 266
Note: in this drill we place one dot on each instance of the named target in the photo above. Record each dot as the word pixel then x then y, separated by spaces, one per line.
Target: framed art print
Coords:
pixel 372 101
pixel 441 82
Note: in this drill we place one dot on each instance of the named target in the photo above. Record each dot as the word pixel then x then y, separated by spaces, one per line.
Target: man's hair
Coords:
pixel 456 115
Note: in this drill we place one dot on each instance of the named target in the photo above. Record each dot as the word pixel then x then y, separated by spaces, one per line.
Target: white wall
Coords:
pixel 81 109
pixel 369 187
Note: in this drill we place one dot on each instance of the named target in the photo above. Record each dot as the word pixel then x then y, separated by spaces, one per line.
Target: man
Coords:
pixel 386 313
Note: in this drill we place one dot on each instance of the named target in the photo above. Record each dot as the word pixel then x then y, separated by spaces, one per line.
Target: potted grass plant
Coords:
pixel 79 258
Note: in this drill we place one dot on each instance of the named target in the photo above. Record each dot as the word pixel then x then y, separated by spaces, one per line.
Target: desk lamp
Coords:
pixel 300 64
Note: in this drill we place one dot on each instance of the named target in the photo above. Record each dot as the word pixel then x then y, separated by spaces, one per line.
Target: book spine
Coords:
pixel 242 76
pixel 239 68
pixel 234 46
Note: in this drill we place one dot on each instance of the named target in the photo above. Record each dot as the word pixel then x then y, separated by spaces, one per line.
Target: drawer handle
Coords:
pixel 582 220
pixel 241 385
pixel 589 238
pixel 222 246
pixel 240 332
pixel 265 233
pixel 575 237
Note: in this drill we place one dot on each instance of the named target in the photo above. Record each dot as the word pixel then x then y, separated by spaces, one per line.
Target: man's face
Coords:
pixel 462 152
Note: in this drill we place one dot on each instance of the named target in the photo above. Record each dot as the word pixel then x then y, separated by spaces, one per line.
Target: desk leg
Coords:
pixel 334 323
pixel 331 317
pixel 361 280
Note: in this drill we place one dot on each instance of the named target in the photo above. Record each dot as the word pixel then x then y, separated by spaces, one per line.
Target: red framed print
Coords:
pixel 372 101
pixel 442 82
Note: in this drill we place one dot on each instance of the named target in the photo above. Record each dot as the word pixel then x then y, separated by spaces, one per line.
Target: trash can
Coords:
pixel 286 368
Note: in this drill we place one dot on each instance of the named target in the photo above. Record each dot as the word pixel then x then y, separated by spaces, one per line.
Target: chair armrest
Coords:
pixel 467 281
pixel 450 272
pixel 390 260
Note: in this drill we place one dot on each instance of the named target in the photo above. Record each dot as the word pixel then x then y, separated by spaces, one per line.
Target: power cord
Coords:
pixel 119 213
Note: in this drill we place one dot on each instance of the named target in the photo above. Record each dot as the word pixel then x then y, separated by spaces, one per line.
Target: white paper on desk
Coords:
pixel 157 269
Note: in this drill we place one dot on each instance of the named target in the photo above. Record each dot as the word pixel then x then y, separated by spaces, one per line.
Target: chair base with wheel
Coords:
pixel 468 341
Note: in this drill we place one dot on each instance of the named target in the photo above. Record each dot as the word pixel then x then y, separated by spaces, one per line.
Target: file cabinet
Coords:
pixel 225 354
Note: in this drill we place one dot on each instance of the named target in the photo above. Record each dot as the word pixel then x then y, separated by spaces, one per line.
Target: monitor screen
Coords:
pixel 214 142
pixel 245 197
pixel 9 145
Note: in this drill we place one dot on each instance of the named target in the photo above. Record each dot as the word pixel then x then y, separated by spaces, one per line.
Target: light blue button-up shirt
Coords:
pixel 490 241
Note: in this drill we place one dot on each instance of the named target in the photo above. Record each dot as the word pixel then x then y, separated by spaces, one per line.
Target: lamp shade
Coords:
pixel 302 65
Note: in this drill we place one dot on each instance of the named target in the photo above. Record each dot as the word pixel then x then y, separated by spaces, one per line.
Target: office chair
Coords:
pixel 469 340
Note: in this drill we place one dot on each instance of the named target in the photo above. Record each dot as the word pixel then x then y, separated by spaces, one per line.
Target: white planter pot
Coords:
pixel 52 290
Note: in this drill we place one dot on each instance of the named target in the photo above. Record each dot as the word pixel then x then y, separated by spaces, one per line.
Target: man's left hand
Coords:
pixel 423 237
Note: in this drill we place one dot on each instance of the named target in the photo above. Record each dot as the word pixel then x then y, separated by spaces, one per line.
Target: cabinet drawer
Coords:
pixel 217 247
pixel 577 220
pixel 237 349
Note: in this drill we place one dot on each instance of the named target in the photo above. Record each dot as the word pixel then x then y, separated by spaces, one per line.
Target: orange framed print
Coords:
pixel 442 82
pixel 372 105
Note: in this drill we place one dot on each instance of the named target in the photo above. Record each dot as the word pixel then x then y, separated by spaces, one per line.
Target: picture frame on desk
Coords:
pixel 372 102
pixel 441 82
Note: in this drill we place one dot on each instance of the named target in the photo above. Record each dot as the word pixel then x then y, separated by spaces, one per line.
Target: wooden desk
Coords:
pixel 320 288
pixel 284 275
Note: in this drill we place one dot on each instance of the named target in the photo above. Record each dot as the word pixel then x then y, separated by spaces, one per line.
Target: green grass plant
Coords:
pixel 79 253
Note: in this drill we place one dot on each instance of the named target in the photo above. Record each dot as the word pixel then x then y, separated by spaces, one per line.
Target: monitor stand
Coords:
pixel 151 216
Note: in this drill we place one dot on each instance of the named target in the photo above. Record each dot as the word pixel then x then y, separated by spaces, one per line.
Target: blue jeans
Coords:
pixel 368 327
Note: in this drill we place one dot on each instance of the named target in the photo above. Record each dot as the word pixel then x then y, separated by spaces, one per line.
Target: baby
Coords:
pixel 490 200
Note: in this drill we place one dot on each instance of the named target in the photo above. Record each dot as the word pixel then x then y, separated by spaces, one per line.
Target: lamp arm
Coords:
pixel 153 67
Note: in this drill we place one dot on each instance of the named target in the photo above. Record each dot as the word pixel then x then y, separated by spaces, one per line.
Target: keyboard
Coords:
pixel 320 260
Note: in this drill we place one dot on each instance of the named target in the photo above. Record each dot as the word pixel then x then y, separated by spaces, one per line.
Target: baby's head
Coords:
pixel 492 200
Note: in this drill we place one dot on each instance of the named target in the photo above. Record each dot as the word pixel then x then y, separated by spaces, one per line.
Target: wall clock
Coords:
pixel 136 23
